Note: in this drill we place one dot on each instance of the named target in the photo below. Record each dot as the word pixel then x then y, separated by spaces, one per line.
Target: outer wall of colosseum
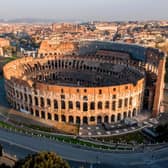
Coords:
pixel 28 91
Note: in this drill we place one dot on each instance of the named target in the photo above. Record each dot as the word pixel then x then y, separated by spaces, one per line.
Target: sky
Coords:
pixel 85 10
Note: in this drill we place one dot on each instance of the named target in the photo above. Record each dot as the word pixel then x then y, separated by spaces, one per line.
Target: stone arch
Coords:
pixel 30 99
pixel 70 103
pixel 107 105
pixel 49 116
pixel 125 114
pixel 37 113
pixel 99 120
pixel 85 106
pixel 63 104
pixel 134 112
pixel 85 120
pixel 78 120
pixel 36 101
pixel 42 114
pixel 100 105
pixel 129 114
pixel 48 102
pixel 55 104
pixel 92 106
pixel 118 117
pixel 106 119
pixel 42 101
pixel 56 117
pixel 113 118
pixel 63 118
pixel 71 119
pixel 78 105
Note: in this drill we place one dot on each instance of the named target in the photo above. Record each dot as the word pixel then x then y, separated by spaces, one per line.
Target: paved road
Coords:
pixel 21 145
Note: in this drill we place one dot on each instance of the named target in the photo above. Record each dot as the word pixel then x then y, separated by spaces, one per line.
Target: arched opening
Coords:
pixel 107 104
pixel 92 106
pixel 85 120
pixel 42 114
pixel 114 105
pixel 21 96
pixel 78 105
pixel 49 116
pixel 129 114
pixel 36 101
pixel 118 117
pixel 71 119
pixel 126 102
pixel 125 115
pixel 78 121
pixel 25 97
pixel 55 104
pixel 63 118
pixel 85 106
pixel 30 99
pixel 134 112
pixel 99 120
pixel 42 101
pixel 99 106
pixel 106 119
pixel 56 117
pixel 130 102
pixel 63 104
pixel 37 113
pixel 113 118
pixel 70 105
pixel 120 103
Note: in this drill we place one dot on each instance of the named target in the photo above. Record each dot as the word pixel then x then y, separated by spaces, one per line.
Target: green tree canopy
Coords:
pixel 42 160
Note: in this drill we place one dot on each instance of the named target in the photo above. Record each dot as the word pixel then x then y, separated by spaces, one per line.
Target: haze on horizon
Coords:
pixel 85 10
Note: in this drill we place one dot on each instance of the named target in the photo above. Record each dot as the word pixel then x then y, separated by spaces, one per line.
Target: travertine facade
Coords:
pixel 97 83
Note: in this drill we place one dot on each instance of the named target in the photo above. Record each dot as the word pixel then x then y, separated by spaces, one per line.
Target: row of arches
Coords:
pixel 83 105
pixel 68 64
pixel 85 119
pixel 113 59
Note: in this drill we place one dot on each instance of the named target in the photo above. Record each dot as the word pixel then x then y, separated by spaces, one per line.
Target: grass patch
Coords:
pixel 130 138
pixel 60 138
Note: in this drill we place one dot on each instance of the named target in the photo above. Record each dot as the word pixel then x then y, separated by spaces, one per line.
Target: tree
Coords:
pixel 42 160
pixel 4 166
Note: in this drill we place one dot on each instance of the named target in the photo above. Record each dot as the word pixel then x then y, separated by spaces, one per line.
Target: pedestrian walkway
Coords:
pixel 113 129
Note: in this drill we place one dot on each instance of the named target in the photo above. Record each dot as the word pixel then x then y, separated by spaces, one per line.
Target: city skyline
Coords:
pixel 74 10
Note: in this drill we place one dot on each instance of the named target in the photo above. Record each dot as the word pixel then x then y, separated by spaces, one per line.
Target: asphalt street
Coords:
pixel 21 145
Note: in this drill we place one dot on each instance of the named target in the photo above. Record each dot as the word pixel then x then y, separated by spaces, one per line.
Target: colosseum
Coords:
pixel 87 82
